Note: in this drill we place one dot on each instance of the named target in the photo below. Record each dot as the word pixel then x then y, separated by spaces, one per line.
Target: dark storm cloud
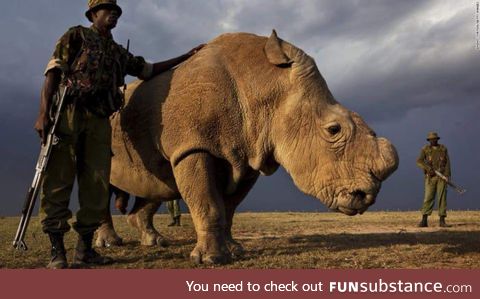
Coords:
pixel 432 65
pixel 324 21
pixel 391 96
pixel 407 67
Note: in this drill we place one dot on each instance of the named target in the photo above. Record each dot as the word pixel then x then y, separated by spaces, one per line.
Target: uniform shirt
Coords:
pixel 94 66
pixel 434 158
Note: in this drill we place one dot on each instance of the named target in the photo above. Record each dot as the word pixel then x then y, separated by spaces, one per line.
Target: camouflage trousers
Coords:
pixel 173 208
pixel 435 186
pixel 83 152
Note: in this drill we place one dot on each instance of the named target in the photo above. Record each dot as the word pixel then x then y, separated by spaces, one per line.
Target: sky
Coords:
pixel 408 67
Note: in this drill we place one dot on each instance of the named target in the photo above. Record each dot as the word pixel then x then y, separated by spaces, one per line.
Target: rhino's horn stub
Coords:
pixel 274 51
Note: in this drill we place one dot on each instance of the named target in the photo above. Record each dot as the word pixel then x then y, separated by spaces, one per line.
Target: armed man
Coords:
pixel 434 157
pixel 91 66
pixel 173 207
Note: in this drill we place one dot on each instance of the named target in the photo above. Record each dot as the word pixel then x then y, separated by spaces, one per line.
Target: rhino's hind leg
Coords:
pixel 106 234
pixel 141 217
pixel 195 177
pixel 231 203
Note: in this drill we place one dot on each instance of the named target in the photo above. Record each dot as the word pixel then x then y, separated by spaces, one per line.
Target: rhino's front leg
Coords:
pixel 195 177
pixel 231 203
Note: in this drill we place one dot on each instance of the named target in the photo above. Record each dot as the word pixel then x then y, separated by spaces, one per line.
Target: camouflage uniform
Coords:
pixel 93 68
pixel 174 210
pixel 434 158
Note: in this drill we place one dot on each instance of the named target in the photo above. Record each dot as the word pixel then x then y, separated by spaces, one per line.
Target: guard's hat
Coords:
pixel 98 4
pixel 432 135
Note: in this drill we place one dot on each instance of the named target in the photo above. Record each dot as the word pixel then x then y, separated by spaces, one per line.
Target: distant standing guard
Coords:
pixel 434 157
pixel 173 207
pixel 91 66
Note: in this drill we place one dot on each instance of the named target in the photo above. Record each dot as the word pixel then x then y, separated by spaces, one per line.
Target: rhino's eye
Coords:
pixel 334 129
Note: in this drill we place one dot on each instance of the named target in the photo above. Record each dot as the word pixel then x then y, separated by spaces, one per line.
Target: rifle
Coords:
pixel 42 163
pixel 125 72
pixel 450 183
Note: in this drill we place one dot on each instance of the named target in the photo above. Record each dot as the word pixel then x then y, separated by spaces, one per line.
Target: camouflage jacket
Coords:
pixel 434 158
pixel 94 67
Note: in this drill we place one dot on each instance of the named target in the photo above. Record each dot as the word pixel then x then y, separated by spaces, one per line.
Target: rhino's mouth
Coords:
pixel 354 202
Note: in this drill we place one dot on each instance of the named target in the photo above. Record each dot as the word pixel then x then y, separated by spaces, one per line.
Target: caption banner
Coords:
pixel 216 283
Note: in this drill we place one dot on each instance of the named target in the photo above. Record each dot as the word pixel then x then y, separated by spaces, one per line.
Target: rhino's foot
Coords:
pixel 235 248
pixel 107 237
pixel 211 251
pixel 153 238
pixel 149 235
pixel 200 256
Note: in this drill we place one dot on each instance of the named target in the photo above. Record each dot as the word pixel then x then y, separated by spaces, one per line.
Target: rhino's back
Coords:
pixel 209 104
pixel 138 165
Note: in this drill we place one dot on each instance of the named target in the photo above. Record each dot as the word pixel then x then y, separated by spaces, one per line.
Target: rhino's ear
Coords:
pixel 274 51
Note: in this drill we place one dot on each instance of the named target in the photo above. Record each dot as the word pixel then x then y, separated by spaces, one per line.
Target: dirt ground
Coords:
pixel 286 240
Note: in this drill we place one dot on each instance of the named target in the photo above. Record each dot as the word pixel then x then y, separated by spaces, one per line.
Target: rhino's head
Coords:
pixel 329 151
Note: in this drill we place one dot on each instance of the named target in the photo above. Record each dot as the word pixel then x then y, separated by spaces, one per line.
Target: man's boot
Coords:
pixel 442 222
pixel 177 220
pixel 424 222
pixel 85 255
pixel 59 259
pixel 174 222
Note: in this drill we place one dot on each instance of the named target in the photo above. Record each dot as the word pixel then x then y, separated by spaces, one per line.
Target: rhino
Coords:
pixel 241 107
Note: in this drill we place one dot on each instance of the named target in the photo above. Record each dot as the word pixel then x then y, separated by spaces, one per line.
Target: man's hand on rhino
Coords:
pixel 195 50
pixel 164 66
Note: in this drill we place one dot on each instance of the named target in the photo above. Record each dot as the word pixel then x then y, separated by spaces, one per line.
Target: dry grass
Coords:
pixel 288 240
